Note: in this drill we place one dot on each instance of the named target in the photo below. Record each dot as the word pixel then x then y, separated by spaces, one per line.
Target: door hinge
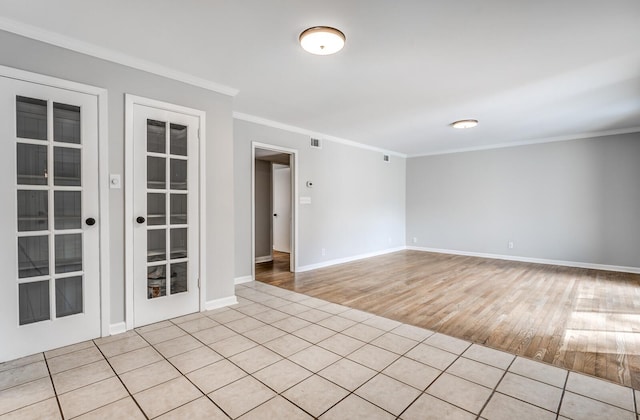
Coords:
pixel 198 134
pixel 198 282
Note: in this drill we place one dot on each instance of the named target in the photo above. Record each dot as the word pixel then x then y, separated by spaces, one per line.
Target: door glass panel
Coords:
pixel 156 136
pixel 156 209
pixel 178 174
pixel 33 256
pixel 68 296
pixel 33 210
pixel 156 245
pixel 66 123
pixel 178 278
pixel 31 118
pixel 68 253
pixel 178 139
pixel 178 243
pixel 33 302
pixel 156 281
pixel 156 173
pixel 66 166
pixel 32 164
pixel 67 209
pixel 178 209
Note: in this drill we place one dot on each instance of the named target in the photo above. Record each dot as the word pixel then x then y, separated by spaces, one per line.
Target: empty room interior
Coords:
pixel 335 210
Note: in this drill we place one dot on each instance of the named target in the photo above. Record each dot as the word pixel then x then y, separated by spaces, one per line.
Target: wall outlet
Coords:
pixel 510 244
pixel 324 252
pixel 415 240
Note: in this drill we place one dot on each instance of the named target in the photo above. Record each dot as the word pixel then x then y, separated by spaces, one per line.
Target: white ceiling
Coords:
pixel 528 70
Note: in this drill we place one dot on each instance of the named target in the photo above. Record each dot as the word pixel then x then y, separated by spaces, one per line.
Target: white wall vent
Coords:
pixel 386 158
pixel 315 143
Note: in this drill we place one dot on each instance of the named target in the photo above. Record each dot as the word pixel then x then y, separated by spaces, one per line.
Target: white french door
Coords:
pixel 165 214
pixel 49 235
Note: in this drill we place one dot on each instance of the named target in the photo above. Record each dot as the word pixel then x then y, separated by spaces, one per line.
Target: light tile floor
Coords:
pixel 283 355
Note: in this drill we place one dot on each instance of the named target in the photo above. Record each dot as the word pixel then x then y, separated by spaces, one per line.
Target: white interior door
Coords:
pixel 165 212
pixel 281 208
pixel 49 236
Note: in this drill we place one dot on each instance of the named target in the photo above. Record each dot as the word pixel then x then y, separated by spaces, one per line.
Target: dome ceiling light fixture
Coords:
pixel 322 40
pixel 462 124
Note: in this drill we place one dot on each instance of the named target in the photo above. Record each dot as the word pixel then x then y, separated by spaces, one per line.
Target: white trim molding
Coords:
pixel 243 279
pixel 266 258
pixel 604 267
pixel 83 47
pixel 579 136
pixel 291 128
pixel 117 328
pixel 220 303
pixel 348 259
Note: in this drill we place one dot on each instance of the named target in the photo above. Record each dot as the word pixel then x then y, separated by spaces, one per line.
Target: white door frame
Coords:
pixel 103 175
pixel 130 102
pixel 293 164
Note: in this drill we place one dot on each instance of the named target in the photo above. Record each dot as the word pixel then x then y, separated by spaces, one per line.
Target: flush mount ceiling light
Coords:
pixel 322 40
pixel 464 124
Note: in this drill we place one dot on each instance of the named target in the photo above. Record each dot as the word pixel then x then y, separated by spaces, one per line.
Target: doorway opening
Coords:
pixel 274 221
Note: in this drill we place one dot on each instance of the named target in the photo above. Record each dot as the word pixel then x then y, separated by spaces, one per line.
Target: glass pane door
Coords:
pixel 49 208
pixel 167 190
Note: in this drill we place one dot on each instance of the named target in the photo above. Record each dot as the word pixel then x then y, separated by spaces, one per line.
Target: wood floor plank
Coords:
pixel 580 319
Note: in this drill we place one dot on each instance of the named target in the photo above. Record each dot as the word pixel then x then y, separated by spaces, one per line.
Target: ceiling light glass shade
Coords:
pixel 322 40
pixel 464 124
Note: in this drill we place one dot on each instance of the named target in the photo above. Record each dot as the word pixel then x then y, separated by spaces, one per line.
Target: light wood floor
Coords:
pixel 583 320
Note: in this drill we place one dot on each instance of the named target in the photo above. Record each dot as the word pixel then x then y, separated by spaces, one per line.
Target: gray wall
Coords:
pixel 358 201
pixel 263 207
pixel 26 54
pixel 575 201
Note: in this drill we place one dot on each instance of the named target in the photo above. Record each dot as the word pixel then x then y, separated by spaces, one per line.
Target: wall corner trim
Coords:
pixel 220 303
pixel 83 47
pixel 604 267
pixel 348 259
pixel 117 328
pixel 243 279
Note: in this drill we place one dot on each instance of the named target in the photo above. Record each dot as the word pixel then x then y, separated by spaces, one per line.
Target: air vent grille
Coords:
pixel 315 143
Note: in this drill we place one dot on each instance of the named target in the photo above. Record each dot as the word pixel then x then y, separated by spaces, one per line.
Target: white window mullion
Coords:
pixel 52 242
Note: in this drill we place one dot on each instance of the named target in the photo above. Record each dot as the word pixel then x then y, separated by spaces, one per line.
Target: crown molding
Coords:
pixel 73 44
pixel 282 126
pixel 588 135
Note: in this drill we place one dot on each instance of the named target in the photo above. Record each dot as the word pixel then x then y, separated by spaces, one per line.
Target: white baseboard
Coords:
pixel 243 279
pixel 117 328
pixel 348 259
pixel 220 303
pixel 266 258
pixel 622 269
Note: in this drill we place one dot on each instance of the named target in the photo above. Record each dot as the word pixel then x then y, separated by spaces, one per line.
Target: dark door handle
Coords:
pixel 140 219
pixel 275 214
pixel 90 221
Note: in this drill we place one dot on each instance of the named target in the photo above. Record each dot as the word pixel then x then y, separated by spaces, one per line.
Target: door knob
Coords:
pixel 140 219
pixel 90 221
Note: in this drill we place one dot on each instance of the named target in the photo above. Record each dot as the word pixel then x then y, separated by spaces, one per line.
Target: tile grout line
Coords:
pixel 378 372
pixel 564 390
pixel 182 374
pixel 121 381
pixel 53 385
